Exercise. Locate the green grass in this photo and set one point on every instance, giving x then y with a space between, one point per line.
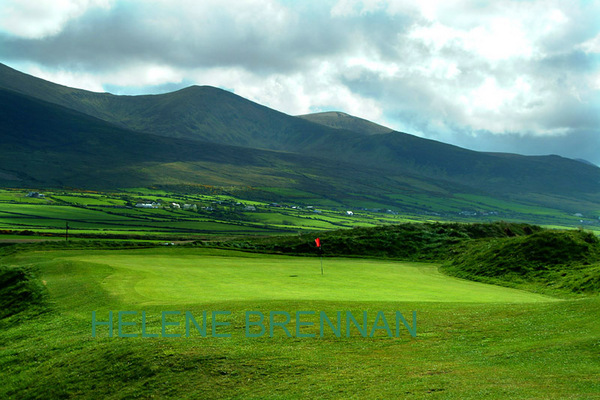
502 343
184 277
503 205
89 200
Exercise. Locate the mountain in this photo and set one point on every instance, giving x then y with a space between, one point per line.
585 162
198 112
340 120
44 144
340 151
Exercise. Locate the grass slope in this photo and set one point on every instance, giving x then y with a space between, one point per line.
340 120
545 261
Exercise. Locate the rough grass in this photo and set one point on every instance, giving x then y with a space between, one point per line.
19 291
567 261
409 241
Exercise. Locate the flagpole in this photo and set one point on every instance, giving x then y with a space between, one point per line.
318 243
321 260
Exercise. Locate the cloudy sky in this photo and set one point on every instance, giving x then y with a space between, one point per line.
518 76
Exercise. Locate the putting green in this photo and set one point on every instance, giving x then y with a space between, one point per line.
199 276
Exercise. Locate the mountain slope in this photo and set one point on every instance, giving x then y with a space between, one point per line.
212 115
340 120
198 112
44 144
499 173
504 172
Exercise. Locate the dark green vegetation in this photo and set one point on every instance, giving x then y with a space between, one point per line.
410 242
546 261
19 291
54 136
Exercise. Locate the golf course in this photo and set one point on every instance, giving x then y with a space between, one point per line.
473 340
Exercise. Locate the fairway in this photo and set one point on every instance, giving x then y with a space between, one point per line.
202 276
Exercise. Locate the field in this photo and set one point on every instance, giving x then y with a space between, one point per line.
205 211
472 340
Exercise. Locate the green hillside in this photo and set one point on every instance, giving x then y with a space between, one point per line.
214 115
58 136
200 113
61 147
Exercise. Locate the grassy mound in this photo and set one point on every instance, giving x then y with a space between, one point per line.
411 242
19 291
556 260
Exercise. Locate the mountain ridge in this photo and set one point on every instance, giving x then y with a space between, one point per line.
62 147
210 115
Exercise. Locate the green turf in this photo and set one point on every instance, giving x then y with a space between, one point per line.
210 275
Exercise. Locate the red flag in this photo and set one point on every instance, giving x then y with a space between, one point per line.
318 242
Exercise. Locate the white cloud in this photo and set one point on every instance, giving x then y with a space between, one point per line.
501 39
351 8
77 79
489 96
132 76
41 18
591 46
294 94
